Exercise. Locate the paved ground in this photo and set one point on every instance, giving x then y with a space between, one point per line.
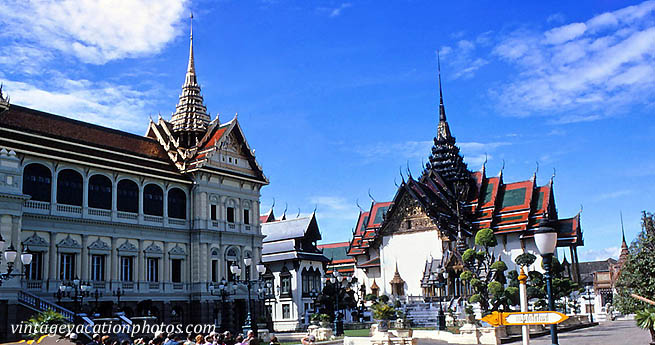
607 333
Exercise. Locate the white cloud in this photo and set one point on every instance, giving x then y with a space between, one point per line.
111 105
599 254
612 195
337 11
463 59
602 66
474 153
91 31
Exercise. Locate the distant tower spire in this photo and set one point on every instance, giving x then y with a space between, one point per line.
443 131
624 246
190 119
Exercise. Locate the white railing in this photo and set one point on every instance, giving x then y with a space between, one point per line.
153 286
69 209
127 215
176 221
127 286
178 286
99 212
37 205
99 285
34 284
154 219
215 223
247 227
231 226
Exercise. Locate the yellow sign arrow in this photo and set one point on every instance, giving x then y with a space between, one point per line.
524 318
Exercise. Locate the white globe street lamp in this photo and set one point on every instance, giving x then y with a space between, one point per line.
545 238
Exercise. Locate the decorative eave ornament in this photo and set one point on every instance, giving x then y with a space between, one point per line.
4 101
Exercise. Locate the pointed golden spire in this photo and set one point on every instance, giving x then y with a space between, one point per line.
192 67
190 119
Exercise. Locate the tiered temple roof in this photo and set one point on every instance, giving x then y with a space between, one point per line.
461 202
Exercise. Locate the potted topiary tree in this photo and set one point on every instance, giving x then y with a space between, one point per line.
382 313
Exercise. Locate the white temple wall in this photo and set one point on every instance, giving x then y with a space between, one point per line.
410 251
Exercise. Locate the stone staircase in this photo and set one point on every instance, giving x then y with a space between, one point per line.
39 304
421 314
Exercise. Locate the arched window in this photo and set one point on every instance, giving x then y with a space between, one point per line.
176 203
231 258
69 187
153 200
100 192
37 182
127 196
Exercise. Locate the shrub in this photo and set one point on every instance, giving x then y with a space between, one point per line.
499 266
495 288
384 298
371 297
486 238
469 255
525 259
383 311
475 298
466 275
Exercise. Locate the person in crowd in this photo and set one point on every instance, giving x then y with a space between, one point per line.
190 339
249 336
125 342
308 340
228 338
238 340
157 341
274 341
104 340
95 340
200 339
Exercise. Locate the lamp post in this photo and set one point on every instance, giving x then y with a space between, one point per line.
224 290
338 281
588 298
545 239
236 270
76 291
10 256
97 294
439 278
118 293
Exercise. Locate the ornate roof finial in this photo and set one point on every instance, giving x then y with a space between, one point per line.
443 130
622 230
190 119
4 100
370 196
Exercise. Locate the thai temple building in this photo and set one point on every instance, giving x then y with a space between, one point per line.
434 217
152 224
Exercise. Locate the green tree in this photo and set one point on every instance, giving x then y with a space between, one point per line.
638 273
487 275
47 317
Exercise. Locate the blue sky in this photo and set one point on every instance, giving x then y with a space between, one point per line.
336 96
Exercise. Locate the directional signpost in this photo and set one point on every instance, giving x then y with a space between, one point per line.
524 318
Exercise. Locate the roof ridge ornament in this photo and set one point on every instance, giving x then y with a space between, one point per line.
443 130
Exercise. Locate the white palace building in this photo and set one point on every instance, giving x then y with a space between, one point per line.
157 219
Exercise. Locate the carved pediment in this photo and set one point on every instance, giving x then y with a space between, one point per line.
35 241
127 246
153 249
69 242
99 245
177 250
408 216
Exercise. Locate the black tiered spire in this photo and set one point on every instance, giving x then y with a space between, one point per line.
445 158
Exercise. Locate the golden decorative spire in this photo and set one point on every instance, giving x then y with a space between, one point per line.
190 119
